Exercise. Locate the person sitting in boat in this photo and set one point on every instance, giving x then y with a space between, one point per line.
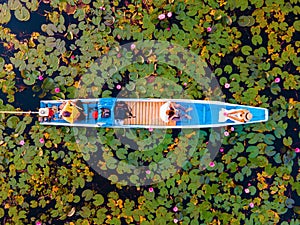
241 115
172 111
47 114
72 111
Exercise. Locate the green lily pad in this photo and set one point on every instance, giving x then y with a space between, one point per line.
14 4
29 81
246 50
87 194
48 84
5 13
296 25
22 14
246 21
20 127
13 121
99 200
297 209
287 141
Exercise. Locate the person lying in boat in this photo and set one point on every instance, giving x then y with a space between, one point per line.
72 111
240 115
172 111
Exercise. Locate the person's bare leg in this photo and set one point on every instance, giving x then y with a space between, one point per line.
178 106
182 108
187 116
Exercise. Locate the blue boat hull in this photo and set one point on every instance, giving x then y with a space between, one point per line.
204 114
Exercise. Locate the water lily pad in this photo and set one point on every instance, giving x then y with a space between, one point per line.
14 4
99 200
5 13
246 49
13 121
289 203
296 25
22 14
87 194
297 209
246 21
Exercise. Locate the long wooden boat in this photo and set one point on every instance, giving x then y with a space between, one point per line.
146 113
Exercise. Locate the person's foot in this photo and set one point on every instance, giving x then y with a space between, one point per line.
189 109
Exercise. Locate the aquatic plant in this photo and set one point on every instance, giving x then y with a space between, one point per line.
251 48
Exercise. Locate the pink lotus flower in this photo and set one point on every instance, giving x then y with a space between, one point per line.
211 164
184 84
22 142
151 189
249 184
251 204
150 129
119 55
175 209
169 14
132 46
72 57
227 85
297 150
40 77
168 28
161 16
247 190
148 171
221 149
118 86
42 140
226 133
57 90
175 220
277 80
38 223
209 29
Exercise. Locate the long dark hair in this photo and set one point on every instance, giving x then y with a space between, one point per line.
80 104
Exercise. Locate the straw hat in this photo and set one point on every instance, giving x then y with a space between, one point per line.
248 116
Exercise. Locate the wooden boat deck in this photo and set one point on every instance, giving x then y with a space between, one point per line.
146 113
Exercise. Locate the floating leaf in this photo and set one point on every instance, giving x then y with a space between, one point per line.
13 121
254 151
289 203
287 141
72 211
246 50
87 194
256 39
245 21
5 13
14 4
296 25
85 212
22 14
297 209
99 200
